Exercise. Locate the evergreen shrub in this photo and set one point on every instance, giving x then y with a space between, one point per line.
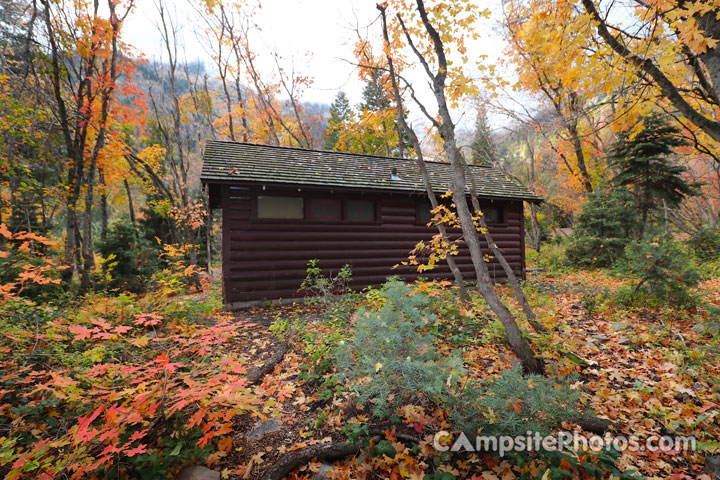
392 360
131 258
664 274
706 244
603 228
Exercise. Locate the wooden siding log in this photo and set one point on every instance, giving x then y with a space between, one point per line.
264 259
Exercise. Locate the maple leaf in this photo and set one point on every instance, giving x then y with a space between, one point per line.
142 448
81 333
82 430
121 329
138 435
225 444
5 232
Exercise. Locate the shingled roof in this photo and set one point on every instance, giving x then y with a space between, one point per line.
267 164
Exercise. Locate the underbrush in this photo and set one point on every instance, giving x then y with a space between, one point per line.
398 359
551 257
115 386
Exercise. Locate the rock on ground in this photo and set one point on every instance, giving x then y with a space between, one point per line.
196 472
712 466
262 429
324 472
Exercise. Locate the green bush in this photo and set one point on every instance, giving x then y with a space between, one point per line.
664 273
552 255
603 228
513 404
706 244
392 360
131 258
325 287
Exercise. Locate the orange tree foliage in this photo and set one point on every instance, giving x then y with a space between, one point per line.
21 265
662 62
108 387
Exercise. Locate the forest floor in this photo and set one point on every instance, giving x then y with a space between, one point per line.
654 372
125 386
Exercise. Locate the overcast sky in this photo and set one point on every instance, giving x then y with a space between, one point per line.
318 35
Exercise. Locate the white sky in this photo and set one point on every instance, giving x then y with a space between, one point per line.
318 35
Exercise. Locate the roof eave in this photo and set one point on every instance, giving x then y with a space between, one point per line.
322 186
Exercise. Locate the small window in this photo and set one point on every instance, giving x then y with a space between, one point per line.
325 209
360 211
492 214
422 213
280 207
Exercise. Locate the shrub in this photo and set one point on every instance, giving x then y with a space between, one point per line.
513 404
706 243
132 258
25 269
392 359
603 228
552 255
664 274
325 287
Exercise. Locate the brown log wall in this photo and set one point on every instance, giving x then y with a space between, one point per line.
264 259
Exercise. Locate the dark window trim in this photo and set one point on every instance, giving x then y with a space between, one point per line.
308 210
419 210
376 204
307 198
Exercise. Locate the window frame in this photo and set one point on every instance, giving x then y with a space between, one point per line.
309 217
500 211
256 209
483 207
308 197
374 204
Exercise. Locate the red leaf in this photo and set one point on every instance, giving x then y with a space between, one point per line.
142 448
81 333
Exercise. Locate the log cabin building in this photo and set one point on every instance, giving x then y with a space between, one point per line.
282 206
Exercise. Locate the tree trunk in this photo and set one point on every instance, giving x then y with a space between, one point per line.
88 255
579 155
103 208
71 234
446 128
457 274
131 210
535 227
517 288
534 224
522 349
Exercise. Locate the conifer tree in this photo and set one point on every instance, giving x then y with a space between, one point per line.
482 148
340 113
603 228
644 163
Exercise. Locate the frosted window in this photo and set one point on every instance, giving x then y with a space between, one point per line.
280 207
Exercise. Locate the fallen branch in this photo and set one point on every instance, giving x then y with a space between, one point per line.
596 425
400 436
292 460
258 373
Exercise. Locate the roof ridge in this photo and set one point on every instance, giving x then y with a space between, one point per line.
283 147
